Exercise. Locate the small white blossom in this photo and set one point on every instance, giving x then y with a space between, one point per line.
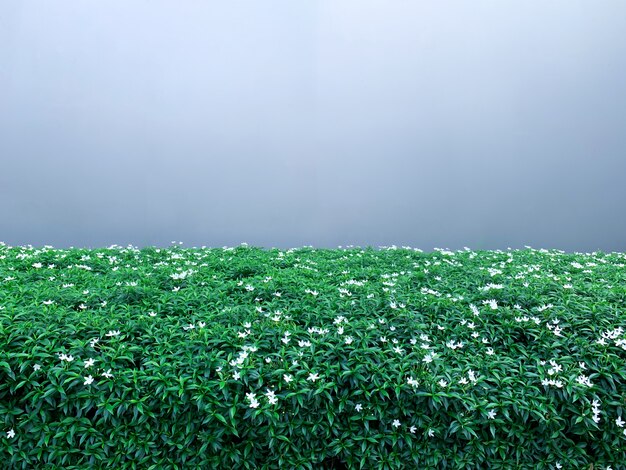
88 380
396 423
491 414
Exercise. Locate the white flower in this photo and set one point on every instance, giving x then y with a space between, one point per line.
36 367
312 377
89 362
152 314
287 378
271 397
107 374
201 324
236 375
48 302
431 433
412 429
491 414
490 352
558 465
348 340
88 380
463 381
254 404
10 433
619 422
442 383
396 423
358 407
412 382
113 333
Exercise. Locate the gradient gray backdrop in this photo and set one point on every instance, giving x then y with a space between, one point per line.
485 124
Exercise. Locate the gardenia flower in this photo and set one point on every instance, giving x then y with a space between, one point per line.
287 378
396 423
88 363
88 380
313 377
107 374
428 357
492 303
442 383
619 422
412 429
10 433
431 433
36 367
491 414
358 407
412 382
271 397
116 333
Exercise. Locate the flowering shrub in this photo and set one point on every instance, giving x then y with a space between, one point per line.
311 358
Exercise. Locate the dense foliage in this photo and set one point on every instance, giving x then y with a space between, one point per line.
311 358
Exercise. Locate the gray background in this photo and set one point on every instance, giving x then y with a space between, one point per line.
487 124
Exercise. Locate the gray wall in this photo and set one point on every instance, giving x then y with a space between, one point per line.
485 124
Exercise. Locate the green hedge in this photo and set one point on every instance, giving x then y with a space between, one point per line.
311 358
